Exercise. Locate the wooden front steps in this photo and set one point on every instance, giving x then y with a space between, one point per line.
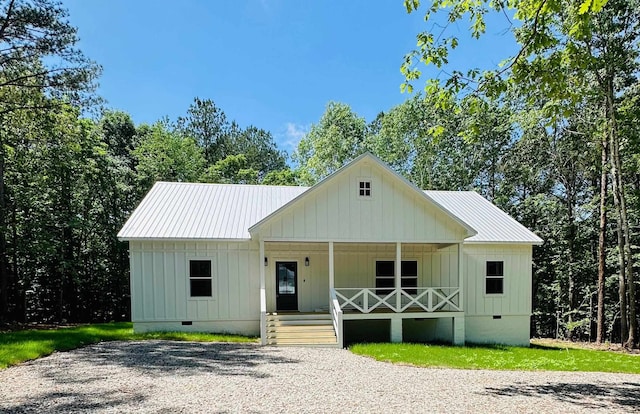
301 329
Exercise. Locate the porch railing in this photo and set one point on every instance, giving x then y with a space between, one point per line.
427 299
336 317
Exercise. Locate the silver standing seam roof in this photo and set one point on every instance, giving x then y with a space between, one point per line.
182 211
492 224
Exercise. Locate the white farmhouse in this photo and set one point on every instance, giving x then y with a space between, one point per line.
364 254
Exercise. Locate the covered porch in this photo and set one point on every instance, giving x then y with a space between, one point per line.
392 281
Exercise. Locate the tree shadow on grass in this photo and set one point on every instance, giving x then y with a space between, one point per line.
160 358
625 395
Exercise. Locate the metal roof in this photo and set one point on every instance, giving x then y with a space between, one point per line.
204 211
492 224
226 211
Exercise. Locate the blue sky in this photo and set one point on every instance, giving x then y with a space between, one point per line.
270 63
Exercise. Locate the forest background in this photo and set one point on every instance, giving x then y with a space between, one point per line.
552 137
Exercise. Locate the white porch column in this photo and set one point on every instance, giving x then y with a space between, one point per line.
461 276
263 297
398 281
262 274
331 270
458 330
396 330
396 323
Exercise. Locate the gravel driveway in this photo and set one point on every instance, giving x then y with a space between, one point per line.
164 376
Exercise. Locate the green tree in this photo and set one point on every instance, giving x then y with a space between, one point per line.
40 68
233 169
208 126
65 262
119 133
113 193
164 155
285 176
259 149
37 52
331 143
426 144
567 49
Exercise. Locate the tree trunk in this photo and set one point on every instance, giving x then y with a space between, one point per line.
621 205
20 312
602 254
633 322
622 288
571 290
624 259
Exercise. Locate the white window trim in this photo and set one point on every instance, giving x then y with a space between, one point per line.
375 287
504 285
366 180
188 279
406 259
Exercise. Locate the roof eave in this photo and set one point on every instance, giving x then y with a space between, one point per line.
183 239
528 242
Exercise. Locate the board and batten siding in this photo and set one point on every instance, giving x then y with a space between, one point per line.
313 280
160 286
516 299
355 264
355 267
335 211
491 318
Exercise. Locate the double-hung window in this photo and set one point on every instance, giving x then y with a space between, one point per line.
409 276
494 284
200 281
385 276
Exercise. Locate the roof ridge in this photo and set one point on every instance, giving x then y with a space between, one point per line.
230 184
453 191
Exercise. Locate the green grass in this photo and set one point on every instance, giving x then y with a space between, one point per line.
20 346
536 358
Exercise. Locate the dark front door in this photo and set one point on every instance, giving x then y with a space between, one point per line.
286 286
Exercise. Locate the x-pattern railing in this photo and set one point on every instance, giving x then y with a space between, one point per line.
430 299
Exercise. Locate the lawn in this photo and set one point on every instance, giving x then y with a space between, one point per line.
536 358
19 346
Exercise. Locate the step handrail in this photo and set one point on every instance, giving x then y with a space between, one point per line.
336 316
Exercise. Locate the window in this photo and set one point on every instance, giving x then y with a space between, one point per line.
365 189
409 276
200 278
495 278
385 276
